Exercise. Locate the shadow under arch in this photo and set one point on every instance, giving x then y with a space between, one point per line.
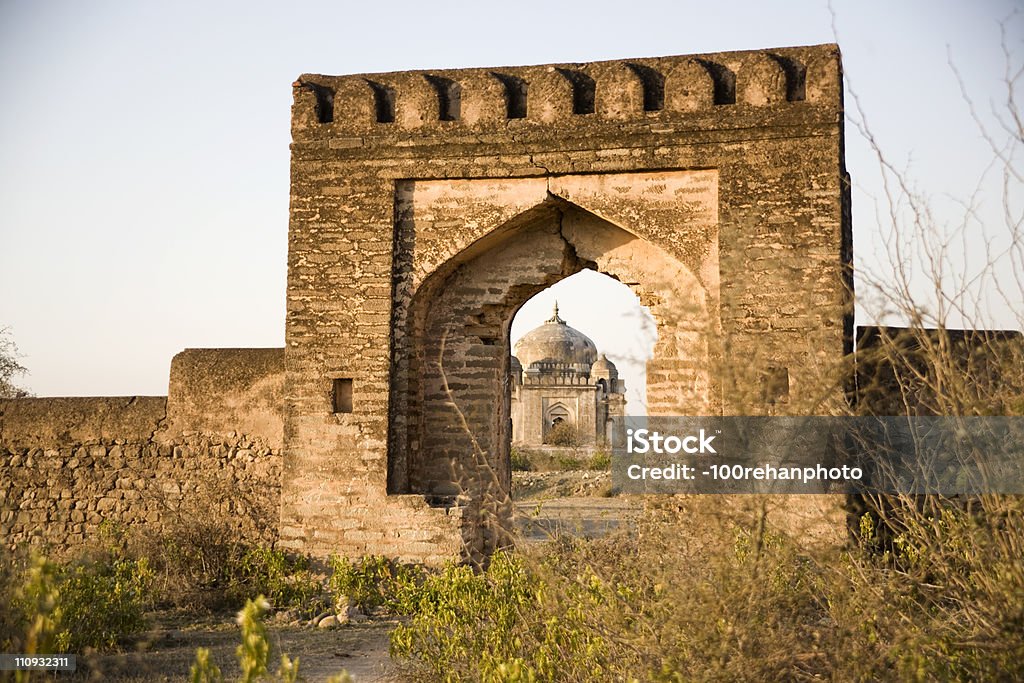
449 423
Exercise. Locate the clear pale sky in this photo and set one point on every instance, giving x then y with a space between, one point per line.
144 145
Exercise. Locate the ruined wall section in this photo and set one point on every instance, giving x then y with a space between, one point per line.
208 453
769 122
228 391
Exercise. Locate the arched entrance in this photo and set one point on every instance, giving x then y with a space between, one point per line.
450 423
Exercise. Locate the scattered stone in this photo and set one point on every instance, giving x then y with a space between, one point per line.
328 622
315 621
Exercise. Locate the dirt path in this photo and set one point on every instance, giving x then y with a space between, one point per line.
587 517
360 649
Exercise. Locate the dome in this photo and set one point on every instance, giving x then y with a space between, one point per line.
555 342
604 368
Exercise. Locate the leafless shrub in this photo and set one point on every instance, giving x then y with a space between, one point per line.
10 367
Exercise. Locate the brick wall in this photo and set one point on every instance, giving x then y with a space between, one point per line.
426 207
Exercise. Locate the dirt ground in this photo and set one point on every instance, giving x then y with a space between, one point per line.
546 503
578 503
573 503
167 652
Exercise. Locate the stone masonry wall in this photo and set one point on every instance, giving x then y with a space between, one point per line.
211 450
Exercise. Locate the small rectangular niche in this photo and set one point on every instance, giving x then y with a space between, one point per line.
775 385
341 394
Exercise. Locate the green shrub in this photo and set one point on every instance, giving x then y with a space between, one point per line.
89 603
285 579
203 669
101 601
463 622
502 625
600 460
569 461
102 596
254 650
373 581
32 623
520 460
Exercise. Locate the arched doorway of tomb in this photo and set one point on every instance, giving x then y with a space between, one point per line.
450 424
557 415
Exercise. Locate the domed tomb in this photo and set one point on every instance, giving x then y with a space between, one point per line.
558 380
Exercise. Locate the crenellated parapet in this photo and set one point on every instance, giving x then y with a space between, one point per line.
645 90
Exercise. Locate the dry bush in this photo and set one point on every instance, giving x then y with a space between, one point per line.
10 367
555 459
695 594
206 557
563 434
193 553
948 582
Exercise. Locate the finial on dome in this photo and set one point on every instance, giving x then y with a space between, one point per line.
554 317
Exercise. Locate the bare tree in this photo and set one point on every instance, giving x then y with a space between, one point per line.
10 367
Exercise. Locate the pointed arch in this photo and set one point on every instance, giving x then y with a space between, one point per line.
452 348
